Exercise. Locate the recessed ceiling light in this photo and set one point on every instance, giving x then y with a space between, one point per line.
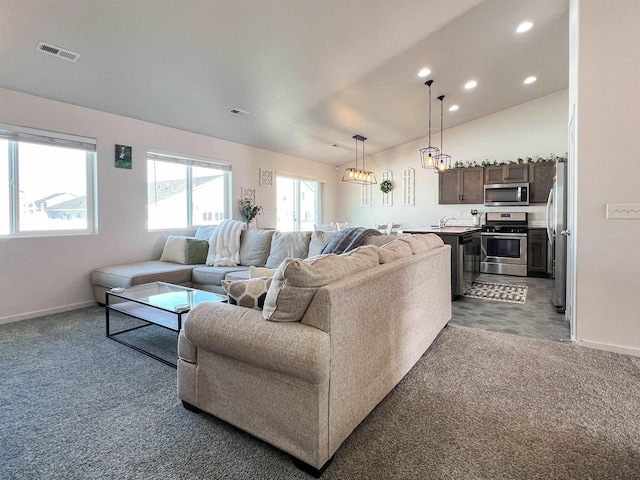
529 80
453 108
470 84
424 72
524 27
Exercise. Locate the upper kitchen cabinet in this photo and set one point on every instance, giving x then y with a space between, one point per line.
461 185
512 173
541 178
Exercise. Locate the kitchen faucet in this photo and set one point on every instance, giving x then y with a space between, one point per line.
443 222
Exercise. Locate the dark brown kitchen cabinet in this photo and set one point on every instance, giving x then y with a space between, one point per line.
537 252
541 178
461 185
512 173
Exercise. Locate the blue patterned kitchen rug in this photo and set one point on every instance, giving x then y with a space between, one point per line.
497 291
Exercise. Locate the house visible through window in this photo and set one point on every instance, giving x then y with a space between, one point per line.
46 182
185 192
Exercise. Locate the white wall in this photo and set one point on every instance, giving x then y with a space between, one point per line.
604 85
535 128
41 275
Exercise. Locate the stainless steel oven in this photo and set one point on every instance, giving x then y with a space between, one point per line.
504 244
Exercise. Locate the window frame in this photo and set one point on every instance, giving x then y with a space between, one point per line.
14 135
189 161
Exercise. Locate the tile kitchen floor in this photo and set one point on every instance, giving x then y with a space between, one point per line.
535 318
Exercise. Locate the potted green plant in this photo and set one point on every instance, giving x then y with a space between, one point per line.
386 186
249 209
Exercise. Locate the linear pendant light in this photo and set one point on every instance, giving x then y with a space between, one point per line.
359 175
428 154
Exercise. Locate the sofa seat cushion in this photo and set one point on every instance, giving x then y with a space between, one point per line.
142 272
288 245
214 275
296 281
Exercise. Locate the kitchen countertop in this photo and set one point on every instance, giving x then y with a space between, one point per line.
453 230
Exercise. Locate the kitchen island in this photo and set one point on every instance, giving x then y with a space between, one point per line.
465 253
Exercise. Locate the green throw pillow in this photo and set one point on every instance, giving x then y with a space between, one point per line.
196 251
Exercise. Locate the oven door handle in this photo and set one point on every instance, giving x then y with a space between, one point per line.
496 234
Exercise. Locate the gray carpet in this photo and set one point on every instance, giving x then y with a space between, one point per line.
478 405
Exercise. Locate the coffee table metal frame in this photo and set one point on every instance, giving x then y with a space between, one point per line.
156 304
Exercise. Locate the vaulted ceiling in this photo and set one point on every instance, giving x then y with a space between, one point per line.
311 73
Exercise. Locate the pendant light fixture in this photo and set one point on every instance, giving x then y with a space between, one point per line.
443 160
428 154
359 175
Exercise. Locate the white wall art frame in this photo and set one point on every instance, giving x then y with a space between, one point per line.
365 195
387 198
266 178
408 187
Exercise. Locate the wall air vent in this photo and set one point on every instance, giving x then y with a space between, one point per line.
238 113
58 52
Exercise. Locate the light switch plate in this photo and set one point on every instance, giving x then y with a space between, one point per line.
623 210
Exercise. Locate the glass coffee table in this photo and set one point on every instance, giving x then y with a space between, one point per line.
158 303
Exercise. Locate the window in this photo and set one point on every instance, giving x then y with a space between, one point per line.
46 182
298 204
185 192
387 198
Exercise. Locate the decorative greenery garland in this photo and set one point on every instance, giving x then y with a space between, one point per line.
386 186
520 161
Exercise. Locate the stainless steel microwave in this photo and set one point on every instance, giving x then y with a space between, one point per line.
506 194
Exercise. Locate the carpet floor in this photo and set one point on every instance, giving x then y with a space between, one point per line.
478 405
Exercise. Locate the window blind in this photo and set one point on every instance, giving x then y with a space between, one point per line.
42 137
191 161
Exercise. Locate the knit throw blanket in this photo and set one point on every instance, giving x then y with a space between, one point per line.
347 239
224 244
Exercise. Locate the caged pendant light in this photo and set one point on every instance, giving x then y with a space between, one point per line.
429 154
359 175
443 160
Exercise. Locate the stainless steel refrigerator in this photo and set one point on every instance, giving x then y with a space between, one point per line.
557 235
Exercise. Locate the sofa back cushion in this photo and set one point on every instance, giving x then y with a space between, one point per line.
422 242
288 245
296 281
318 242
394 250
255 246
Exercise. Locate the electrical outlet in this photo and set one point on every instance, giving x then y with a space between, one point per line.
459 213
623 210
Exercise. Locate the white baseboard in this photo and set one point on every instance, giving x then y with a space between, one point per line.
48 311
609 348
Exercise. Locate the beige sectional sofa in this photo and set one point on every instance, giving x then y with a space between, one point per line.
336 334
260 248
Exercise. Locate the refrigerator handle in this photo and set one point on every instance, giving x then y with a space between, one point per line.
549 226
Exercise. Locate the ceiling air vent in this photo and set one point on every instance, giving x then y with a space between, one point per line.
58 52
237 112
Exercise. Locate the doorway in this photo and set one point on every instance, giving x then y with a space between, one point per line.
298 204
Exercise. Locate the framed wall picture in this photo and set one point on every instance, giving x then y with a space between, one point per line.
123 156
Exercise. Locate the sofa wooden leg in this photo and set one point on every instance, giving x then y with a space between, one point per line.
191 408
313 471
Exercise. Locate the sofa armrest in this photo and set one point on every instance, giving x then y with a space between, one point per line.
241 333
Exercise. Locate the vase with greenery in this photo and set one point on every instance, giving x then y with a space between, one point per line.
386 186
249 209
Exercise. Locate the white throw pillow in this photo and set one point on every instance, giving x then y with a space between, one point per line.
174 249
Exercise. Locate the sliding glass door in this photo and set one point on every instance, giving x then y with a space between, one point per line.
298 204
